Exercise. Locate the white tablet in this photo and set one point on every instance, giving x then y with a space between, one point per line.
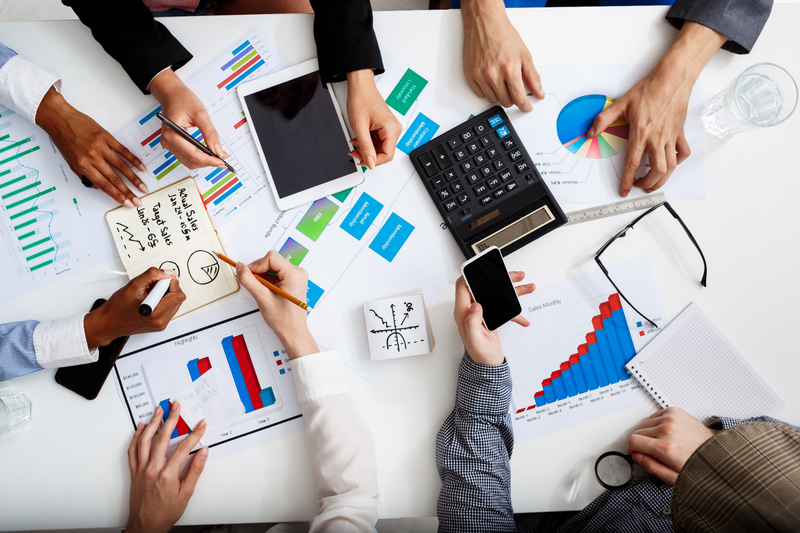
300 135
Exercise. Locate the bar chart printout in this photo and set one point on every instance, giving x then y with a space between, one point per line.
44 211
224 193
235 342
568 366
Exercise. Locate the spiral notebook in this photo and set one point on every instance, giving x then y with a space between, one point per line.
693 366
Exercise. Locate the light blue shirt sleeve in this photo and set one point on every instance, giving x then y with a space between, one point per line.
6 53
17 353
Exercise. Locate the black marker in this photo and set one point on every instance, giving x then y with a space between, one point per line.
158 292
197 144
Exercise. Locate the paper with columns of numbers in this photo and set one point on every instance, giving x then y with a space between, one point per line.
173 231
211 397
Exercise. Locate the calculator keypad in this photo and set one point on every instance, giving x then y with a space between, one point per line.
472 167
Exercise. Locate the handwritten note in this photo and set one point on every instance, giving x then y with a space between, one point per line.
211 397
173 231
398 326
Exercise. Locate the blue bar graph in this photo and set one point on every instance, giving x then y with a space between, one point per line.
167 163
246 73
155 141
240 48
194 371
211 175
238 56
164 404
598 363
236 371
228 193
150 115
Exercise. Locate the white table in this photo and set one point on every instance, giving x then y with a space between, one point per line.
69 469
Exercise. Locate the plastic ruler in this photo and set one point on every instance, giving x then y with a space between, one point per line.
616 208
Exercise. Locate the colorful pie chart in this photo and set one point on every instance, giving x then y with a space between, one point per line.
575 120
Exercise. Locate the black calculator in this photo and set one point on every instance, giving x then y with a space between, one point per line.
486 185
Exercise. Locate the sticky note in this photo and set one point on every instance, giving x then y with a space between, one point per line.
361 216
391 237
421 131
406 92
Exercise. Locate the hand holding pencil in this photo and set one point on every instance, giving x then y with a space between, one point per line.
277 298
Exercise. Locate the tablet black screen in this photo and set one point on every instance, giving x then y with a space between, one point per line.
299 134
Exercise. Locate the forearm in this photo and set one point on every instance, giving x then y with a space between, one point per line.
680 67
741 21
340 445
473 450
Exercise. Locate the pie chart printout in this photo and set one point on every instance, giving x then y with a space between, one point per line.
575 120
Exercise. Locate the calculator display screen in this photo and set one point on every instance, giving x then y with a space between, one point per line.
300 134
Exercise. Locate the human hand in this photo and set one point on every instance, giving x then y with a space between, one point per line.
119 316
665 441
89 149
655 108
483 346
287 320
158 496
497 64
184 108
376 128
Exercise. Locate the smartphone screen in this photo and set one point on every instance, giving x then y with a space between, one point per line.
491 287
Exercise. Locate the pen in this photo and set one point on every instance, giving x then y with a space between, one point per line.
267 284
156 293
197 144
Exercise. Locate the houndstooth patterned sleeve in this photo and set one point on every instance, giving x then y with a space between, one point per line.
473 450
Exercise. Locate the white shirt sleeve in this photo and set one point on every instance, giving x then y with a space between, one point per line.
341 446
62 343
23 84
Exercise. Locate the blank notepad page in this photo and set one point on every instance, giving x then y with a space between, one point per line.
691 365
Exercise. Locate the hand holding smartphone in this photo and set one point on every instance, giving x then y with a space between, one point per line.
491 286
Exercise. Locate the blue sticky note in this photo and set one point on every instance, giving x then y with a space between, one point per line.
313 294
391 237
495 121
421 131
361 216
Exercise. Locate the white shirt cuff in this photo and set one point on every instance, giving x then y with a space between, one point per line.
62 343
154 77
319 375
23 84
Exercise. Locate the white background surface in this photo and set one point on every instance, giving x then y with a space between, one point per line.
68 469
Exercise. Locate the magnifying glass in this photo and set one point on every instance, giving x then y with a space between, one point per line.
614 470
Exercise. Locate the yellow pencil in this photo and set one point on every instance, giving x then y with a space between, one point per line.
267 284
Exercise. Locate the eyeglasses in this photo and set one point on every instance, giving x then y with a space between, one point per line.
625 231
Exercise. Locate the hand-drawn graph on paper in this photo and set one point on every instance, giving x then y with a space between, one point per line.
396 331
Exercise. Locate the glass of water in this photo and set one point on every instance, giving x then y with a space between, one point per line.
764 95
16 410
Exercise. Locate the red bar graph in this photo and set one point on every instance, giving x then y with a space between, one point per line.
181 427
153 136
233 76
240 123
248 371
203 365
221 191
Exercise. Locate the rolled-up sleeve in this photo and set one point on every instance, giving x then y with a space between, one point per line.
23 83
741 21
62 342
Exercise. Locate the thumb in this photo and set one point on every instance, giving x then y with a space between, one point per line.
210 135
655 467
473 322
365 146
195 469
605 119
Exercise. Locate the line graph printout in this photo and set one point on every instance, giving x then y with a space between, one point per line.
224 193
579 170
48 224
568 365
382 237
234 340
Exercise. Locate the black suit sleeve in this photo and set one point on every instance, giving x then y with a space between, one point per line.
741 21
345 38
128 32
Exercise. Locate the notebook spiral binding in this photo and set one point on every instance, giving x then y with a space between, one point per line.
643 382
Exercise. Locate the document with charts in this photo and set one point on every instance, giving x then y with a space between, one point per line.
378 238
49 222
233 344
568 366
172 231
579 170
224 193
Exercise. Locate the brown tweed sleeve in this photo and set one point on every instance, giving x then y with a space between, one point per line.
746 478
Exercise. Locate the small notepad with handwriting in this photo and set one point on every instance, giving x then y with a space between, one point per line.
693 366
173 231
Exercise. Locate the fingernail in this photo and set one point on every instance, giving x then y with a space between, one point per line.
175 405
140 426
137 202
127 203
625 193
637 458
141 167
203 452
239 268
170 272
218 149
226 155
474 307
202 423
370 162
352 154
158 411
590 133
144 188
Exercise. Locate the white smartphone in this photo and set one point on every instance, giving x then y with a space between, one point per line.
300 135
490 284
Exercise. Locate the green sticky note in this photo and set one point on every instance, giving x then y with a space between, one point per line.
342 195
406 91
